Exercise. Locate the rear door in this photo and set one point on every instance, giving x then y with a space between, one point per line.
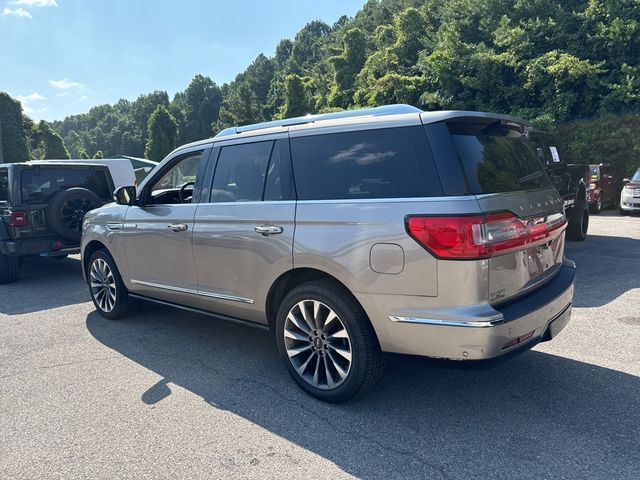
504 173
243 236
158 232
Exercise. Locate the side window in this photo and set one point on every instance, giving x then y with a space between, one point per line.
4 186
240 172
166 190
384 163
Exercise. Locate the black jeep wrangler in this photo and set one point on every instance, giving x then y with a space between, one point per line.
568 179
42 206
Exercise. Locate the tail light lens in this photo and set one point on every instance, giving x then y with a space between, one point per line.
18 219
481 236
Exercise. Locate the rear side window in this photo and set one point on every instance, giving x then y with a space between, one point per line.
240 172
497 158
4 186
40 184
384 163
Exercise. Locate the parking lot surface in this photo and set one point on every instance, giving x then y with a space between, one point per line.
169 394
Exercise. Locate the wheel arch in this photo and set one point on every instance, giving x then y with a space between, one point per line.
291 279
91 247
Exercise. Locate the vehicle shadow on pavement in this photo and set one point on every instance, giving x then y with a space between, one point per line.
537 416
607 268
60 279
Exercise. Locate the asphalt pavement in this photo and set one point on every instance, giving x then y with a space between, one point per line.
169 394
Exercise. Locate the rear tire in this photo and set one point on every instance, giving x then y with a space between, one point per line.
9 268
107 290
67 209
332 358
578 223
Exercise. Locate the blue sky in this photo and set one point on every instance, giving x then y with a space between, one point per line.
61 57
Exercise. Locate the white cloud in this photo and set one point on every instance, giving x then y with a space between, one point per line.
62 94
83 98
37 3
28 100
16 12
65 84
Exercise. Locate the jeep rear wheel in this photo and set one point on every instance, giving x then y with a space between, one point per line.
9 268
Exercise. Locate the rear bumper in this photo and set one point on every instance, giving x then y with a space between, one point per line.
482 332
36 247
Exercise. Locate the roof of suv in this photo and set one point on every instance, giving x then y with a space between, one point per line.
376 114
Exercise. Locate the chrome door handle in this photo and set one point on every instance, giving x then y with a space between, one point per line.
177 227
268 229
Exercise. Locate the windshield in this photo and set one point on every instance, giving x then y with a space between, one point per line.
40 184
4 186
497 158
595 173
636 176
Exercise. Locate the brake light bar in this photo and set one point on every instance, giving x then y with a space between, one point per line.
18 219
481 236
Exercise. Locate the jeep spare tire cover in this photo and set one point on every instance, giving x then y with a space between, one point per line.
66 211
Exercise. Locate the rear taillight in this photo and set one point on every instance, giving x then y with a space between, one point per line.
18 219
481 236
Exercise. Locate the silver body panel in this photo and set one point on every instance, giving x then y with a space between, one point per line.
417 304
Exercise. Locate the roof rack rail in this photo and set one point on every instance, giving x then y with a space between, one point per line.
396 109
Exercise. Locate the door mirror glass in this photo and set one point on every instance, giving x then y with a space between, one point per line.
125 196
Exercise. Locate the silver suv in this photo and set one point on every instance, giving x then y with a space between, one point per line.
352 236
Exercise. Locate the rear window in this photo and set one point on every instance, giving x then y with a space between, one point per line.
40 184
497 158
4 186
385 163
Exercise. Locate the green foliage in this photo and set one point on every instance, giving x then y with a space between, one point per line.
99 154
48 143
162 134
297 101
14 136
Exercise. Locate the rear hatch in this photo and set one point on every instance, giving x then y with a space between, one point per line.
524 217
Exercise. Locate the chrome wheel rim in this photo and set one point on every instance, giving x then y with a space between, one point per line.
318 344
103 285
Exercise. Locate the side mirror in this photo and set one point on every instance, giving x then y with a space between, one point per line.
125 196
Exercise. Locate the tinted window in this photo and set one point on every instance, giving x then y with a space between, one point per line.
240 172
383 163
40 184
497 158
4 186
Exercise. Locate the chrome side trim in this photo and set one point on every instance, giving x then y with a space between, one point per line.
194 292
113 226
447 323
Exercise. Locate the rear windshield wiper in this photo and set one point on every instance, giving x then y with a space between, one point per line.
531 176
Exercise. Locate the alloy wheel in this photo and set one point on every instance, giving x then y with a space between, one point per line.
318 344
103 285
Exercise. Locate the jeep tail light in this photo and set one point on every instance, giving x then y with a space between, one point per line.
18 219
481 236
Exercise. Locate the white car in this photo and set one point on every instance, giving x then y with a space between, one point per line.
630 195
121 169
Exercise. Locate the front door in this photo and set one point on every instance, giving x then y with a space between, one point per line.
159 232
243 237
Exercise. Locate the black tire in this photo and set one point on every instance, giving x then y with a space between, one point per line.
578 222
623 213
366 363
9 268
123 305
596 208
67 209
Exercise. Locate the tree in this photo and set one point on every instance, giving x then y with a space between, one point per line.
83 154
200 105
14 136
162 134
48 143
99 154
346 67
297 98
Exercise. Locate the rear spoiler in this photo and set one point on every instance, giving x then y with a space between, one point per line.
483 117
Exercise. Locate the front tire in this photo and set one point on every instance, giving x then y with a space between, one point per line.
9 268
108 292
578 223
327 342
596 208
